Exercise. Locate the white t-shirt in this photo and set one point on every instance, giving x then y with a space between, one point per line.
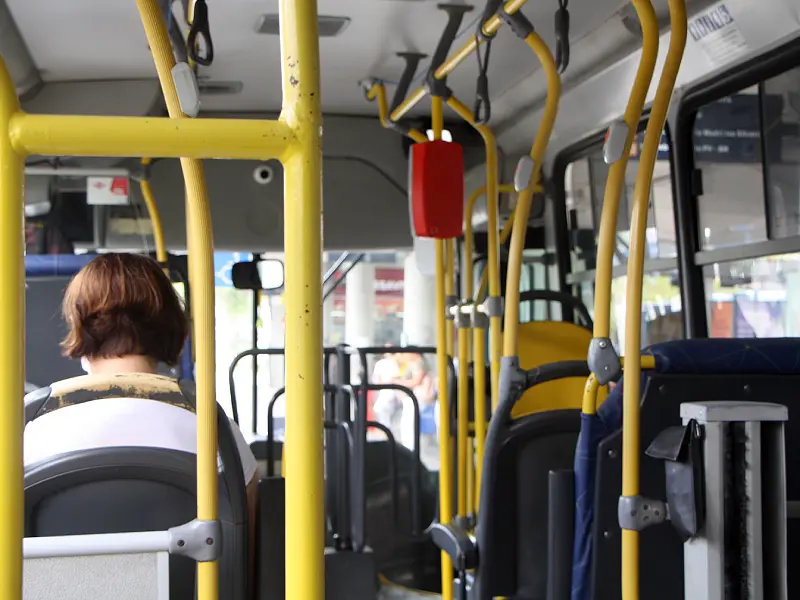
120 422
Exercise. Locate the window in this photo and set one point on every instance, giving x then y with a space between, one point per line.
756 298
585 184
662 319
747 148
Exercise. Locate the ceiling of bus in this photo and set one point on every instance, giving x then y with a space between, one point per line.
91 40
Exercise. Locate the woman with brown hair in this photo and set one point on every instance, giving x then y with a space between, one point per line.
123 316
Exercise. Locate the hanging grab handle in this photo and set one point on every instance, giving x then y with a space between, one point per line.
455 14
562 36
483 106
200 29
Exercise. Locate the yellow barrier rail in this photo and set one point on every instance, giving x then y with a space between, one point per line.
295 139
633 323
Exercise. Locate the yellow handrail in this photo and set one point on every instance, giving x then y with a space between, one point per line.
201 278
12 347
295 139
520 227
633 320
616 179
378 92
154 214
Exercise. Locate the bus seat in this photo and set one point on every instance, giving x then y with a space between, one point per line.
98 491
510 551
545 342
686 370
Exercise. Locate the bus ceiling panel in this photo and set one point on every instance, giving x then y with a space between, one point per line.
21 67
91 40
133 97
722 35
365 200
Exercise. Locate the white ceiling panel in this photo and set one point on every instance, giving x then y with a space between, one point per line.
93 39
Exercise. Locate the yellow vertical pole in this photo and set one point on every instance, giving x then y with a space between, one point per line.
201 278
450 291
12 347
633 318
463 413
443 326
479 385
305 543
445 467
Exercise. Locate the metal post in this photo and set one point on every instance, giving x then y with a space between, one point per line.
740 545
12 347
302 111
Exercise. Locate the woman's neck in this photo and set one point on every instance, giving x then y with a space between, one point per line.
122 364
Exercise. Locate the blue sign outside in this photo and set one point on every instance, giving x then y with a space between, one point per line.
223 263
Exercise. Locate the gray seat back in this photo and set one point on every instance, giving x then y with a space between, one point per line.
117 490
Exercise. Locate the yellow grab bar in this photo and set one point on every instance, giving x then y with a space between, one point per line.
607 237
633 317
295 139
378 92
154 214
12 347
201 279
520 228
616 173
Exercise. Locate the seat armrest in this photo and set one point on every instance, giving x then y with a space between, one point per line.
457 544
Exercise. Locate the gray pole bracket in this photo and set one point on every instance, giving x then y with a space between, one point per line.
637 513
199 540
450 303
603 361
494 306
480 320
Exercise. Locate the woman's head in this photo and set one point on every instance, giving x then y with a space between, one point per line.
123 305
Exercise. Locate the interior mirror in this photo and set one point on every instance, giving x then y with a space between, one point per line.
264 275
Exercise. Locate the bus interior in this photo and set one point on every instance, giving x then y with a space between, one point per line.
501 296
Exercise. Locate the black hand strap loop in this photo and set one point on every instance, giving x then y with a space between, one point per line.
200 30
562 35
483 105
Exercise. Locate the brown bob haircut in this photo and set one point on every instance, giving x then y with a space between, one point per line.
122 305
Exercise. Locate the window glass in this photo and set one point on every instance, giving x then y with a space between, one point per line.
585 190
755 298
781 118
662 319
727 150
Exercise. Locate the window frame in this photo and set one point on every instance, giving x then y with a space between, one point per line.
687 186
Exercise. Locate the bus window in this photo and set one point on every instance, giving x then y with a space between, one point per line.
754 298
585 183
727 148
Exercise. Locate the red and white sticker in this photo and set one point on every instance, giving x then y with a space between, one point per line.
102 191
